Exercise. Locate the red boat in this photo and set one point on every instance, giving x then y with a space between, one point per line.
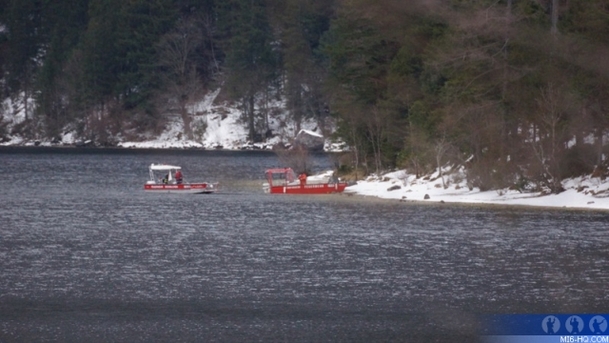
172 181
283 181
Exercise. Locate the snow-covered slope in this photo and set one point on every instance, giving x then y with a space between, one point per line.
221 122
582 192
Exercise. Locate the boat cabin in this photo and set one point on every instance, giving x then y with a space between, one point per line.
163 174
280 176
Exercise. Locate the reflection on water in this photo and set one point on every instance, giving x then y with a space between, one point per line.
86 255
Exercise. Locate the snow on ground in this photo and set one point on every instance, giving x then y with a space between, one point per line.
13 113
170 138
224 129
581 192
216 126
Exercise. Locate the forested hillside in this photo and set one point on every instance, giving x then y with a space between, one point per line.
516 90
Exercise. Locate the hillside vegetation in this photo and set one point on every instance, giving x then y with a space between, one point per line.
515 90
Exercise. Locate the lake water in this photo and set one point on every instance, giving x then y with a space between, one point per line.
87 256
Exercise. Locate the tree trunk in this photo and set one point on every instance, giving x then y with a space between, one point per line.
441 148
554 29
508 24
599 142
250 117
186 120
376 134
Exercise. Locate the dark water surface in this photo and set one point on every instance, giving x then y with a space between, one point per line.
87 256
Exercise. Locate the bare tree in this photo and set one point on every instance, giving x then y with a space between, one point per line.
547 145
352 126
420 151
297 158
554 29
376 122
183 85
441 146
208 25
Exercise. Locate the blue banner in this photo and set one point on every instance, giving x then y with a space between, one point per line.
545 324
546 339
558 328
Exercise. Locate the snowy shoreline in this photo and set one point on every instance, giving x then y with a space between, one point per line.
584 192
475 205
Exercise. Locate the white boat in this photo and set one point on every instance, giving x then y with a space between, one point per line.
163 180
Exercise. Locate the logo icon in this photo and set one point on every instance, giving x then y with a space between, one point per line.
598 325
550 324
574 325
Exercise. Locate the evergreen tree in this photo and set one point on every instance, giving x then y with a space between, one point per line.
300 24
65 22
251 59
359 60
141 27
25 46
100 50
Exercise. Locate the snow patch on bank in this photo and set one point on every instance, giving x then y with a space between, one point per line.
224 128
581 192
216 126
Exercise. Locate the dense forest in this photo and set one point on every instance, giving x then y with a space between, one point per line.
515 90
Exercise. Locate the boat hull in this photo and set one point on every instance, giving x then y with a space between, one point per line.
186 188
324 188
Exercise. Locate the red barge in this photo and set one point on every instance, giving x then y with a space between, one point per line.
284 181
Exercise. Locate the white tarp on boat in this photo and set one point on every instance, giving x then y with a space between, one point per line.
163 167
